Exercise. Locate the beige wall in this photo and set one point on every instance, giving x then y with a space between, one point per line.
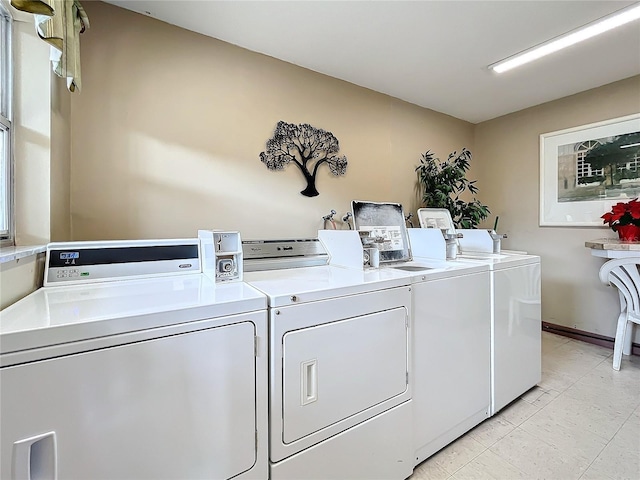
167 132
42 159
42 141
507 166
32 135
60 193
19 278
165 138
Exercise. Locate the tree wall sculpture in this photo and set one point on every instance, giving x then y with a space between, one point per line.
306 147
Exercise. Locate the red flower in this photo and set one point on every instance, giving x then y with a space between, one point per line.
623 214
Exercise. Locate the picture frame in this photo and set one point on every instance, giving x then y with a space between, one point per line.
575 193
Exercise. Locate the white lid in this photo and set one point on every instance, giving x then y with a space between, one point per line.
385 220
436 218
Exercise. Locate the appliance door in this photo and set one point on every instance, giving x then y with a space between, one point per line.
452 359
336 370
517 333
336 363
180 406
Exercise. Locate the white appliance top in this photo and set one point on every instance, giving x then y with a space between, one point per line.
308 284
425 269
497 261
56 315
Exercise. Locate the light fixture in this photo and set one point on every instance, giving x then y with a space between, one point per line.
589 30
630 145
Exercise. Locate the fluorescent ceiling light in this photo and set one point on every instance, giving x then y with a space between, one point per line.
592 29
630 145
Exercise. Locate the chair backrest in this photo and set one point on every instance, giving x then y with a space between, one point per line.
623 274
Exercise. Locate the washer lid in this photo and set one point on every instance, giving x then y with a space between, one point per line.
497 261
439 218
56 315
426 269
382 225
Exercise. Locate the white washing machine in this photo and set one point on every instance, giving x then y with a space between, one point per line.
340 350
516 321
516 328
452 351
132 364
452 327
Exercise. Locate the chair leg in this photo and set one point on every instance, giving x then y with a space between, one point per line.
628 339
619 341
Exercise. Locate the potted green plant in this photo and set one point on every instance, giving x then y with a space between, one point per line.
443 182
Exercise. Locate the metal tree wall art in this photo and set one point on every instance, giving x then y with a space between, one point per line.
308 148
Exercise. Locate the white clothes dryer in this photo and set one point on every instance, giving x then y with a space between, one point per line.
115 376
340 350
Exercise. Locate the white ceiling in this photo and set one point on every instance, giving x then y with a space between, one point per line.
430 53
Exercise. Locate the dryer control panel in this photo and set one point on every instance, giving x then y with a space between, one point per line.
72 263
285 253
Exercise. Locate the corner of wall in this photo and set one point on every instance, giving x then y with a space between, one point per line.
60 178
18 278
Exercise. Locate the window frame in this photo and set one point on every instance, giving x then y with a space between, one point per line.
7 235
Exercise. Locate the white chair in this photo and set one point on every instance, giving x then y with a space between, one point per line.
623 274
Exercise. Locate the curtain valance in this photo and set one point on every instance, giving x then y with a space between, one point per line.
60 23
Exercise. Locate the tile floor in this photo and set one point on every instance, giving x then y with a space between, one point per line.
581 422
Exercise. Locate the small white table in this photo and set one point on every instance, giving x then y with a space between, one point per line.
613 248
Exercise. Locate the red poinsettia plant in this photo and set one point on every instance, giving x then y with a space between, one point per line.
622 214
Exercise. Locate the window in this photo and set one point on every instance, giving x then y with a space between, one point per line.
583 169
6 203
633 165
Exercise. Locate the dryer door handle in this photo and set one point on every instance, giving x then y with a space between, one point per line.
309 381
35 458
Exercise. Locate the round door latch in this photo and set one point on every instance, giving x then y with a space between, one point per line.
294 298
